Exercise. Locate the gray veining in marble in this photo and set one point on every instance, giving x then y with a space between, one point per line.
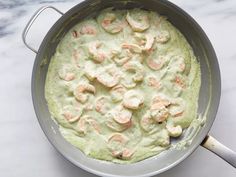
25 151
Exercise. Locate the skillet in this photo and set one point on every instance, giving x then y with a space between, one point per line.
208 99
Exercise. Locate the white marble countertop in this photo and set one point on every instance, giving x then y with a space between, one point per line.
24 149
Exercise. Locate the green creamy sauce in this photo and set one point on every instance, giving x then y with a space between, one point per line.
140 52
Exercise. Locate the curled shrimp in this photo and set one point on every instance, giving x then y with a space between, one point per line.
159 112
118 119
159 108
138 20
80 90
157 63
102 105
88 29
152 81
121 57
86 123
108 76
111 23
95 53
149 42
81 126
133 99
127 153
177 64
137 68
118 137
174 131
132 47
113 125
90 70
146 122
161 98
146 40
177 107
163 36
78 55
137 71
117 143
180 81
94 124
121 115
117 93
67 72
72 113
88 107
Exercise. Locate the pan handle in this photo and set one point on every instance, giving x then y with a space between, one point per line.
31 21
219 149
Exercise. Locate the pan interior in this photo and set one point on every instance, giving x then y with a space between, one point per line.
209 91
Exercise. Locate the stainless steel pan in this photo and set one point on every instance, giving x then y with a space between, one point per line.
209 93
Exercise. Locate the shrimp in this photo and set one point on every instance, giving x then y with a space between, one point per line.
67 72
81 126
180 81
88 30
146 122
159 108
149 42
174 131
146 41
111 24
123 154
118 119
78 55
121 57
118 137
90 70
116 144
156 64
137 68
133 99
94 52
138 75
153 82
80 90
117 93
177 107
127 153
132 47
138 20
177 64
128 83
108 76
113 125
161 98
88 107
102 105
94 124
163 36
122 115
87 123
159 112
72 113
